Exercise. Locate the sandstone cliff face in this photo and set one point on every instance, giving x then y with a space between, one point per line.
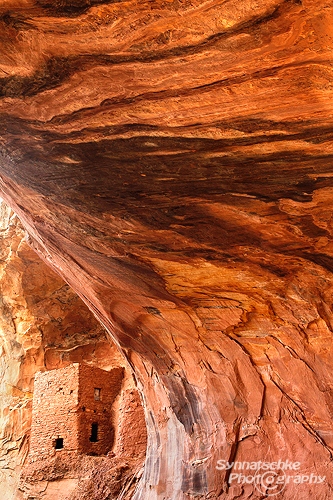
172 161
44 325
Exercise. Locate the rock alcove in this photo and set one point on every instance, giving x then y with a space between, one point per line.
172 161
45 330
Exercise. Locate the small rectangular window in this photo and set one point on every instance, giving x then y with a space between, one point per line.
97 394
59 444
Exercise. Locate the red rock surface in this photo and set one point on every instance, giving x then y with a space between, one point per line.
44 325
172 160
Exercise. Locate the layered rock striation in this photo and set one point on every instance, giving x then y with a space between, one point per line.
172 161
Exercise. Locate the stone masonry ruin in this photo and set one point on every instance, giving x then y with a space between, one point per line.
72 411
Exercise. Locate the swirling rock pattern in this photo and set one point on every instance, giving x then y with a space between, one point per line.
172 160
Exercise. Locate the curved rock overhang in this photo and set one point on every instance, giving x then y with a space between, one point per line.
172 160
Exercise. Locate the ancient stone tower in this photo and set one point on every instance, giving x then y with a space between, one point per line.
72 411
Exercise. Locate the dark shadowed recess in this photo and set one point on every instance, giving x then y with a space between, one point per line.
184 401
55 71
15 21
70 8
146 171
154 179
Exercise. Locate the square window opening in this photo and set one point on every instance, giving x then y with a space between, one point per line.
59 444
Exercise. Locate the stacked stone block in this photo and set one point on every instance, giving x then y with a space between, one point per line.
72 411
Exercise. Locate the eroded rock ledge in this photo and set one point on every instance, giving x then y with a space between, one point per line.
172 161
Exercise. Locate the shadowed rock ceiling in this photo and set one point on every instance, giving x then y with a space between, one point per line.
172 161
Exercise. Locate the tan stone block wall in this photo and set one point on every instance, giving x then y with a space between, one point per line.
54 412
65 406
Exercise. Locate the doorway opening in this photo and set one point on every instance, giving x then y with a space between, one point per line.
94 433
